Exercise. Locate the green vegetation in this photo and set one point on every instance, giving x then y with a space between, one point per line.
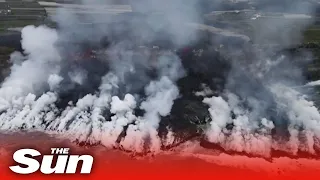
17 13
6 50
4 61
312 34
17 23
312 43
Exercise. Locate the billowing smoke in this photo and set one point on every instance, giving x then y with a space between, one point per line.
113 79
261 110
92 100
31 96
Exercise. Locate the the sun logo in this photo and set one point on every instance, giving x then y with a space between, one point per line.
65 163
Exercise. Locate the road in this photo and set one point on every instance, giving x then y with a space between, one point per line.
51 8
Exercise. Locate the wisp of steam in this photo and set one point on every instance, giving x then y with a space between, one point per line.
119 97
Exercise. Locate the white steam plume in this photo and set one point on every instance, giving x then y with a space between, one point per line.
260 99
38 80
32 96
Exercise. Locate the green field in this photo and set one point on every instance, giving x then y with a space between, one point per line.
16 13
312 34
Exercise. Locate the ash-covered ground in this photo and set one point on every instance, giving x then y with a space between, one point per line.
147 83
